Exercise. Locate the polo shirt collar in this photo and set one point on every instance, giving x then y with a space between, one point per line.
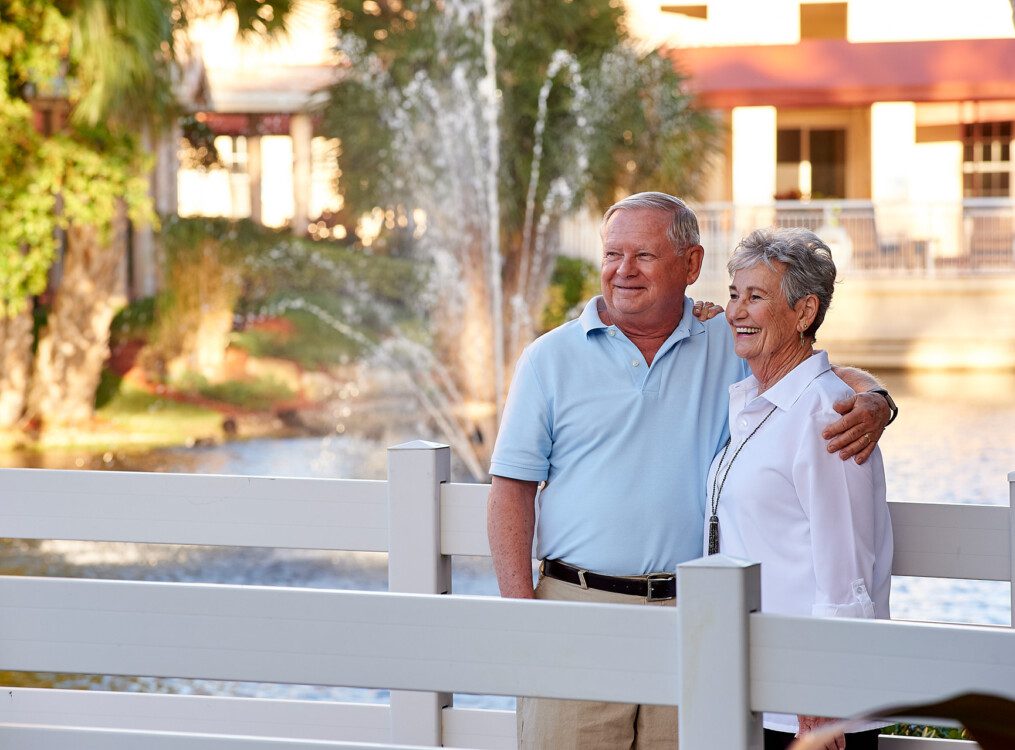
786 392
589 319
688 326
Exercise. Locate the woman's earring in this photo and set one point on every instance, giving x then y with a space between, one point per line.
802 339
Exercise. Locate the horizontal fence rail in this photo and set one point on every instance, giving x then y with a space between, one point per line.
365 639
256 717
810 665
123 506
869 663
25 737
421 646
952 541
931 539
197 714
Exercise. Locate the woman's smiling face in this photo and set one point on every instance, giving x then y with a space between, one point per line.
764 325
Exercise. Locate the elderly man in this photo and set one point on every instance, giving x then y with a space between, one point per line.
620 413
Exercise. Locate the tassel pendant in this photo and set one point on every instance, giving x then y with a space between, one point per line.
713 535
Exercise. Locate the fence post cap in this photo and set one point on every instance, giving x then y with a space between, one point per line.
415 445
717 561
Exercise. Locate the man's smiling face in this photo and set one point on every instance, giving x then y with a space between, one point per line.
643 276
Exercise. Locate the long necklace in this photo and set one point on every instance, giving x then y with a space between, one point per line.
713 521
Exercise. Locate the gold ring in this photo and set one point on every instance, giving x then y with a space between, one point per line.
868 436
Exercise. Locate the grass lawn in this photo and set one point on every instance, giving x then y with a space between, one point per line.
132 417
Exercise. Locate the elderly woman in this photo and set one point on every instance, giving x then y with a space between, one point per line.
818 525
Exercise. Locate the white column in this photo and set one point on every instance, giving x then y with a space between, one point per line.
301 130
754 141
716 596
893 138
416 566
254 176
167 167
141 280
935 192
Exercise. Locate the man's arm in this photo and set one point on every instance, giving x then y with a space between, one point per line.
510 525
864 419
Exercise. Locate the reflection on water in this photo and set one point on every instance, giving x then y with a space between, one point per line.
952 443
955 439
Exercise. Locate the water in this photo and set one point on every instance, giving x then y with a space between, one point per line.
953 443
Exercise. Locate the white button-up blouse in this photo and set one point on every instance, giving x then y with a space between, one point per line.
818 525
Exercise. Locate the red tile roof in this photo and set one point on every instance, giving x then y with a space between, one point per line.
822 72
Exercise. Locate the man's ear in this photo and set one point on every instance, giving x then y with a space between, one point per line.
694 254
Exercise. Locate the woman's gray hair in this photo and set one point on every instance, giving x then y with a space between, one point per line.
683 230
809 268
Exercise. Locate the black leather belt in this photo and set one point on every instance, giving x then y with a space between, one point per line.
655 587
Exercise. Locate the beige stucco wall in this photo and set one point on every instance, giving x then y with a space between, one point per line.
735 22
935 323
912 20
910 323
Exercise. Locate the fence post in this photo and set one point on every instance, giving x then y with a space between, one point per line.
416 566
716 596
1011 546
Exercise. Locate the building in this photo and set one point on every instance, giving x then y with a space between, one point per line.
892 120
261 96
887 127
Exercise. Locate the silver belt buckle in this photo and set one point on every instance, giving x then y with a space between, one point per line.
581 578
650 580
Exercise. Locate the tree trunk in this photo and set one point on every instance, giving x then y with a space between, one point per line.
194 332
75 344
15 366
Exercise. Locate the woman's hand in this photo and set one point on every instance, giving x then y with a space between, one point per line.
704 310
811 723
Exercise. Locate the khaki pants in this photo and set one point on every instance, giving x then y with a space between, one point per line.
549 724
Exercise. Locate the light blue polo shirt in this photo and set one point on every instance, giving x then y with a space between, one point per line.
624 448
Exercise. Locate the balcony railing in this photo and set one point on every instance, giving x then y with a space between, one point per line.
974 236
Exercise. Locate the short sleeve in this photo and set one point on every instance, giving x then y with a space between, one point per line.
524 440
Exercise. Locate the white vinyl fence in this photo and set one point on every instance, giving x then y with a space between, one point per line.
714 655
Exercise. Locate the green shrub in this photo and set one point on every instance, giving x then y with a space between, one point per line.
573 283
918 730
133 322
311 343
218 269
256 394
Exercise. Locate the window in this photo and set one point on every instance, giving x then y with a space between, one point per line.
810 163
986 159
232 151
823 20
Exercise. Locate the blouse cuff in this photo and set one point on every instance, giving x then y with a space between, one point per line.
860 607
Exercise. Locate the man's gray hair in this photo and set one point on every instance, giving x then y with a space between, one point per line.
809 268
683 230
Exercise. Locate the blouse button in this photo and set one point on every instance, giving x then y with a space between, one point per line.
635 363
